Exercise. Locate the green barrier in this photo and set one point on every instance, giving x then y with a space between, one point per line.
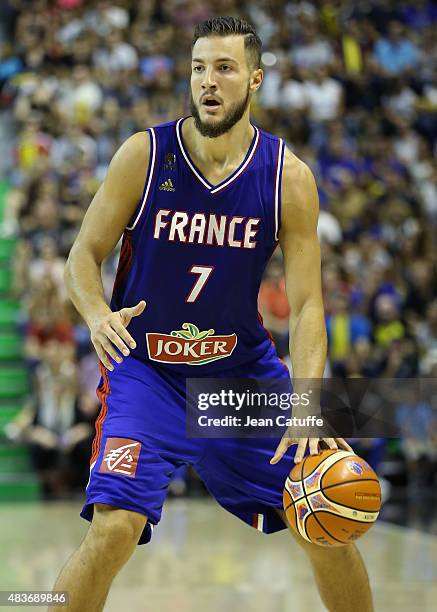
14 459
5 280
14 382
7 249
8 412
11 347
9 310
19 487
4 188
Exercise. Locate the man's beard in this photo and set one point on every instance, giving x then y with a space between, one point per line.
213 130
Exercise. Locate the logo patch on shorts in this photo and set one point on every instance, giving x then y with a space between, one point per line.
121 456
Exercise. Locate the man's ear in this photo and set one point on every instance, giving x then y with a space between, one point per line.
256 80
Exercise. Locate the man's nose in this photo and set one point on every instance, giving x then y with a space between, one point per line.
208 81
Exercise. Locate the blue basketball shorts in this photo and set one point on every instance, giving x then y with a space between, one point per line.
141 441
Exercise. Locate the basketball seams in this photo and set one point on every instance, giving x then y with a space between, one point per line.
331 460
329 487
338 454
311 511
345 518
324 473
348 482
336 503
321 490
301 525
344 511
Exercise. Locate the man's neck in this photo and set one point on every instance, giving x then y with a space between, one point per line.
222 150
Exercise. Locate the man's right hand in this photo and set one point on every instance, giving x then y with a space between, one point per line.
109 333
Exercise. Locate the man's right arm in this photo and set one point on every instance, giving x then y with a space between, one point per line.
104 223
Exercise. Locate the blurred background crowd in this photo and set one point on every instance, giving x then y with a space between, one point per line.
351 87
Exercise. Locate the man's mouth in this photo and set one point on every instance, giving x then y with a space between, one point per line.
210 103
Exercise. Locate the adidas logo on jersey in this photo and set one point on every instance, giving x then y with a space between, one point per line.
167 186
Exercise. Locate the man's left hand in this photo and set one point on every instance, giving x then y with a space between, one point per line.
313 443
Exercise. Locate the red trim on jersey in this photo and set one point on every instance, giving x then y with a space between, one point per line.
255 520
261 320
125 261
102 393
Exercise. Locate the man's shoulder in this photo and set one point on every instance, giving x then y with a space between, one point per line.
298 189
142 136
292 164
135 149
296 173
268 135
167 124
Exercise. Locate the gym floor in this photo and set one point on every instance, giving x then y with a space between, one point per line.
202 558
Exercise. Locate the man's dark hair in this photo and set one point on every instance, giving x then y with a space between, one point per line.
227 26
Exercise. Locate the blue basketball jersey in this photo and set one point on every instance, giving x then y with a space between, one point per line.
196 253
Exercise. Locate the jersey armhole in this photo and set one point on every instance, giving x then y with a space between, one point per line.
150 171
278 181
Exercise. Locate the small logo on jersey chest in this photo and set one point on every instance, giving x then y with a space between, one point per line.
170 161
167 186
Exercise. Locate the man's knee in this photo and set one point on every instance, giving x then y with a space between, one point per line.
317 552
328 554
115 528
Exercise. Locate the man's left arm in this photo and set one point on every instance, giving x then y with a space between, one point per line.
301 250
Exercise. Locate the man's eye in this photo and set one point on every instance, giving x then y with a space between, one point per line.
225 67
197 68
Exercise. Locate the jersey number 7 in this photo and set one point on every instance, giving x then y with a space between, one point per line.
204 273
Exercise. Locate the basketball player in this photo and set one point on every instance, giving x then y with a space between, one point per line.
201 203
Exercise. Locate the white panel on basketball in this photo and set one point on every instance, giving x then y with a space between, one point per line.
291 487
327 505
301 504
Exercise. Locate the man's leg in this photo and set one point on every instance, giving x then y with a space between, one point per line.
108 544
340 574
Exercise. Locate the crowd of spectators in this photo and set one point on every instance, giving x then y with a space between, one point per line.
351 87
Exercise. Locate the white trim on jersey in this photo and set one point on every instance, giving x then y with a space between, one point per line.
260 522
243 167
89 478
149 178
278 186
187 159
204 182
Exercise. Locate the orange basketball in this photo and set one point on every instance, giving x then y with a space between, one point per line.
332 498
